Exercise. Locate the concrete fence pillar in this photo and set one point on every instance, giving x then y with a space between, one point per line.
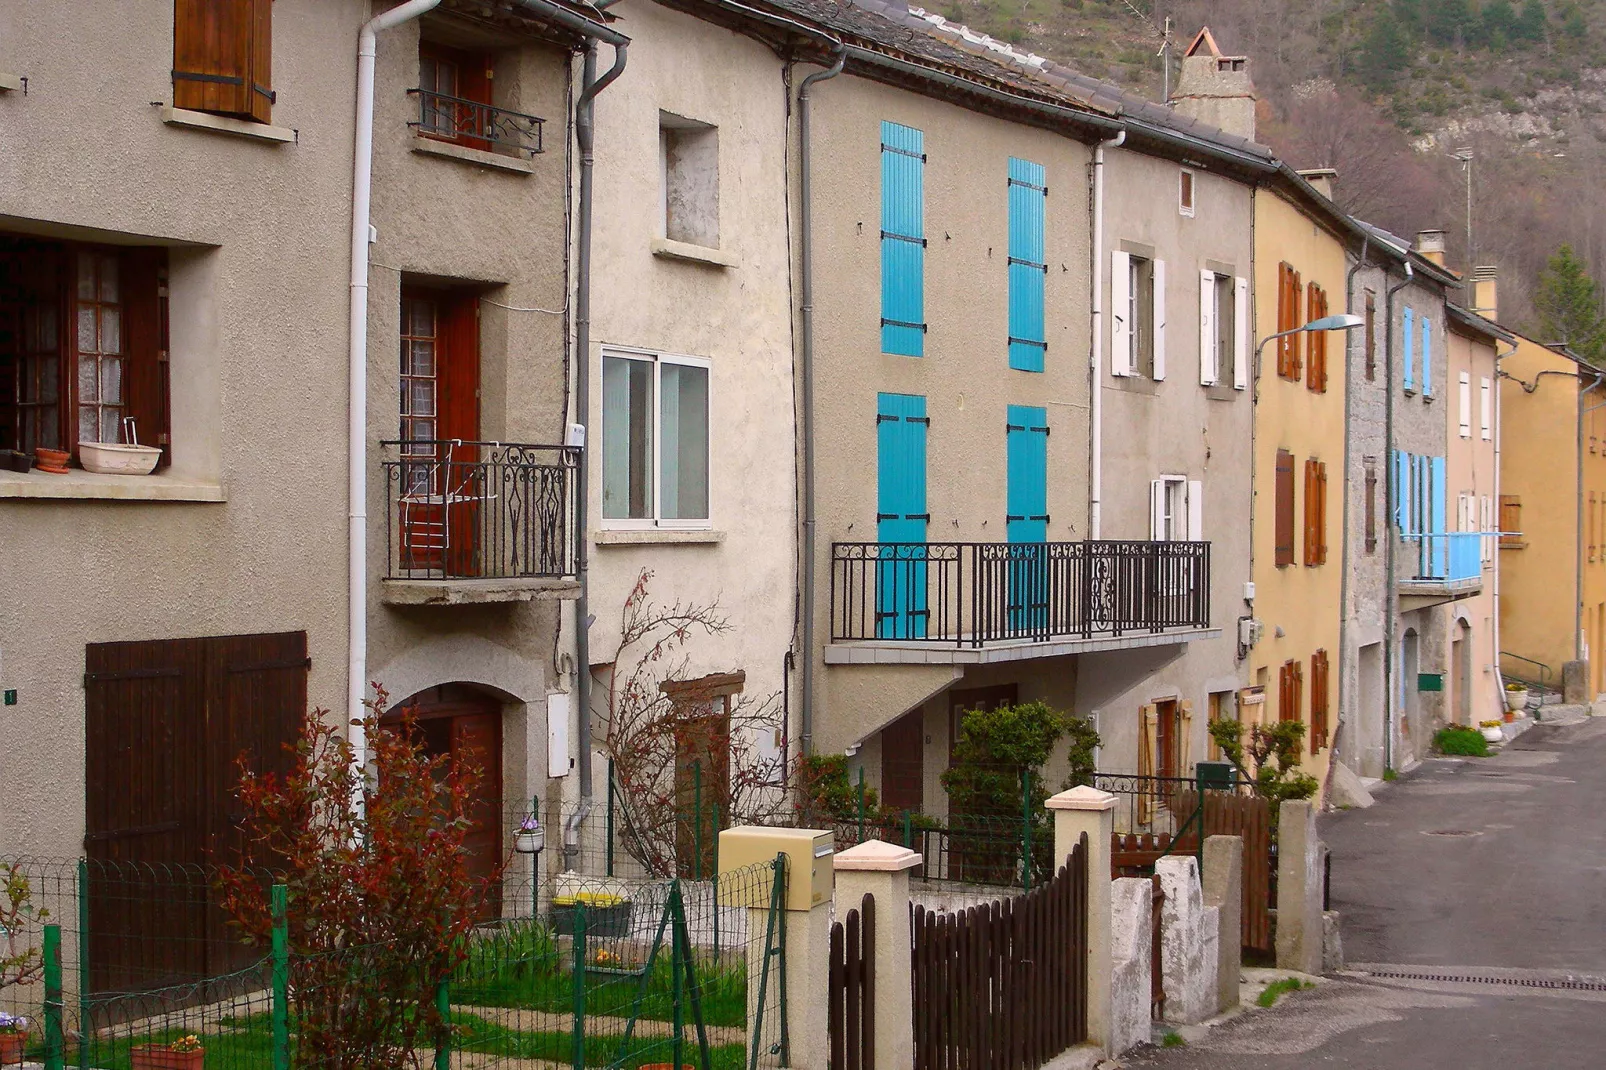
882 871
1132 972
1224 890
1189 935
1078 812
1299 888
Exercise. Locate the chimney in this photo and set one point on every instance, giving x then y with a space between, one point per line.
1430 245
1216 89
1484 297
1322 178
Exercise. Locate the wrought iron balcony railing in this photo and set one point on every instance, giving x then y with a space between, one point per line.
973 594
472 123
479 510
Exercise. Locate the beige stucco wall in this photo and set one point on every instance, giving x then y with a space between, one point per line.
1175 427
1539 466
258 341
1471 465
737 317
964 375
1299 605
1592 616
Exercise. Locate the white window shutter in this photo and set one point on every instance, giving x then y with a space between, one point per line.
1157 509
1209 358
1159 319
1486 407
1466 404
1120 310
1195 510
1240 333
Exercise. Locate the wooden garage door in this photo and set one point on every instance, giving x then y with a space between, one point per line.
166 724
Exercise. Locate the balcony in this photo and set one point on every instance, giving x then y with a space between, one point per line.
477 125
1438 567
970 603
473 522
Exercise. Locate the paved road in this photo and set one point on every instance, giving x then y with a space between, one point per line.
1491 869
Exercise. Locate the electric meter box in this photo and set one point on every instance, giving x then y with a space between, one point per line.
810 873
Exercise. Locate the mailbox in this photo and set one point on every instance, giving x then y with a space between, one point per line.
810 873
1220 776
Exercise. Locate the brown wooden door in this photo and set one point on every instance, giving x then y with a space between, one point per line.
166 724
1167 739
702 784
902 764
440 414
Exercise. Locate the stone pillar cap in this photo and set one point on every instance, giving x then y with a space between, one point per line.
1082 798
877 856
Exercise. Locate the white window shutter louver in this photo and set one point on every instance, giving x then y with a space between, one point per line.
1240 323
1195 510
1209 358
1157 509
1120 311
1159 319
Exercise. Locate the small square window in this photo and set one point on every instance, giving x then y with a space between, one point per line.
689 165
655 440
1185 192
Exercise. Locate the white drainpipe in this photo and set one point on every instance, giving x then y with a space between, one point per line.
357 446
1095 486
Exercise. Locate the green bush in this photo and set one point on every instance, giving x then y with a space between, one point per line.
1458 740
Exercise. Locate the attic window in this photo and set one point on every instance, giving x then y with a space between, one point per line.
1185 192
1230 64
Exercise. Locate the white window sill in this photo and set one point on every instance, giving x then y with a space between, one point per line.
657 537
90 486
429 146
222 124
696 254
10 83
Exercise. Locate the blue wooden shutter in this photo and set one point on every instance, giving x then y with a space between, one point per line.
1440 541
1427 357
1026 516
1401 489
903 241
1409 336
901 515
1028 267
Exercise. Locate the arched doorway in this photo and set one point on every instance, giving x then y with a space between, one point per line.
1410 672
1461 665
465 722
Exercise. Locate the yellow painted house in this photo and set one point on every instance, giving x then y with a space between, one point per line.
1298 521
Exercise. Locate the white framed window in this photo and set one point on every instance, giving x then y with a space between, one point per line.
1223 321
655 455
1176 509
1486 408
1465 387
1137 321
1185 184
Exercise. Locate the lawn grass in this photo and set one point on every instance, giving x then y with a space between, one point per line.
475 1034
250 1048
1275 991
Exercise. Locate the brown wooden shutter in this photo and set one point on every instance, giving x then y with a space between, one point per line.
1371 336
1308 530
1319 686
1511 522
144 281
1296 348
1284 516
1282 319
1321 512
1371 506
223 57
1316 378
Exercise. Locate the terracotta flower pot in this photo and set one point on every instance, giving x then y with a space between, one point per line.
161 1057
50 460
11 1045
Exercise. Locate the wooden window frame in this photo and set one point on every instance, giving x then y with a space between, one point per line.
1290 364
1290 691
1316 366
1511 522
473 79
1187 192
223 58
1320 685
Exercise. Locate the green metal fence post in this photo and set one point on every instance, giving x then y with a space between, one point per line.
443 1007
55 1050
677 990
578 977
280 1000
1026 828
535 864
715 878
861 804
908 830
83 964
611 797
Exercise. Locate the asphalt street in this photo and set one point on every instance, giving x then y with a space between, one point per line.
1485 879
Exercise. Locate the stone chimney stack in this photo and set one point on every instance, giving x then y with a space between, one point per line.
1430 245
1216 89
1322 178
1484 296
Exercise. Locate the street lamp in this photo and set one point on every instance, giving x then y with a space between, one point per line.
1344 321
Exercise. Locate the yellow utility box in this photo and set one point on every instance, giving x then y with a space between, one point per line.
810 873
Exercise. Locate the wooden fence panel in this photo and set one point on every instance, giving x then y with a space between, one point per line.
1003 985
850 1018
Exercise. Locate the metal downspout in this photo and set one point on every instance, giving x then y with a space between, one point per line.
585 137
1390 588
1095 351
1343 572
806 270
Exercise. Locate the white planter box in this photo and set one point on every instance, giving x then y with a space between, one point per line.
110 458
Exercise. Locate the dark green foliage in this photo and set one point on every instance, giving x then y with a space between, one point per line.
1273 751
1447 22
1385 53
825 791
1465 742
1568 303
1531 24
995 748
1084 742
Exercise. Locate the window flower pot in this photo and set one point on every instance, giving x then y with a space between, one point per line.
11 1045
53 461
117 459
161 1057
603 919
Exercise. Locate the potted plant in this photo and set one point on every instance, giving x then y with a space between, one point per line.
1491 731
1516 697
52 461
13 1038
529 838
607 915
185 1053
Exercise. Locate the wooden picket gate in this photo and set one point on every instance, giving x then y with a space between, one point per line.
1134 855
1003 986
851 987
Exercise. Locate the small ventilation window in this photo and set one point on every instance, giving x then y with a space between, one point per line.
1185 193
